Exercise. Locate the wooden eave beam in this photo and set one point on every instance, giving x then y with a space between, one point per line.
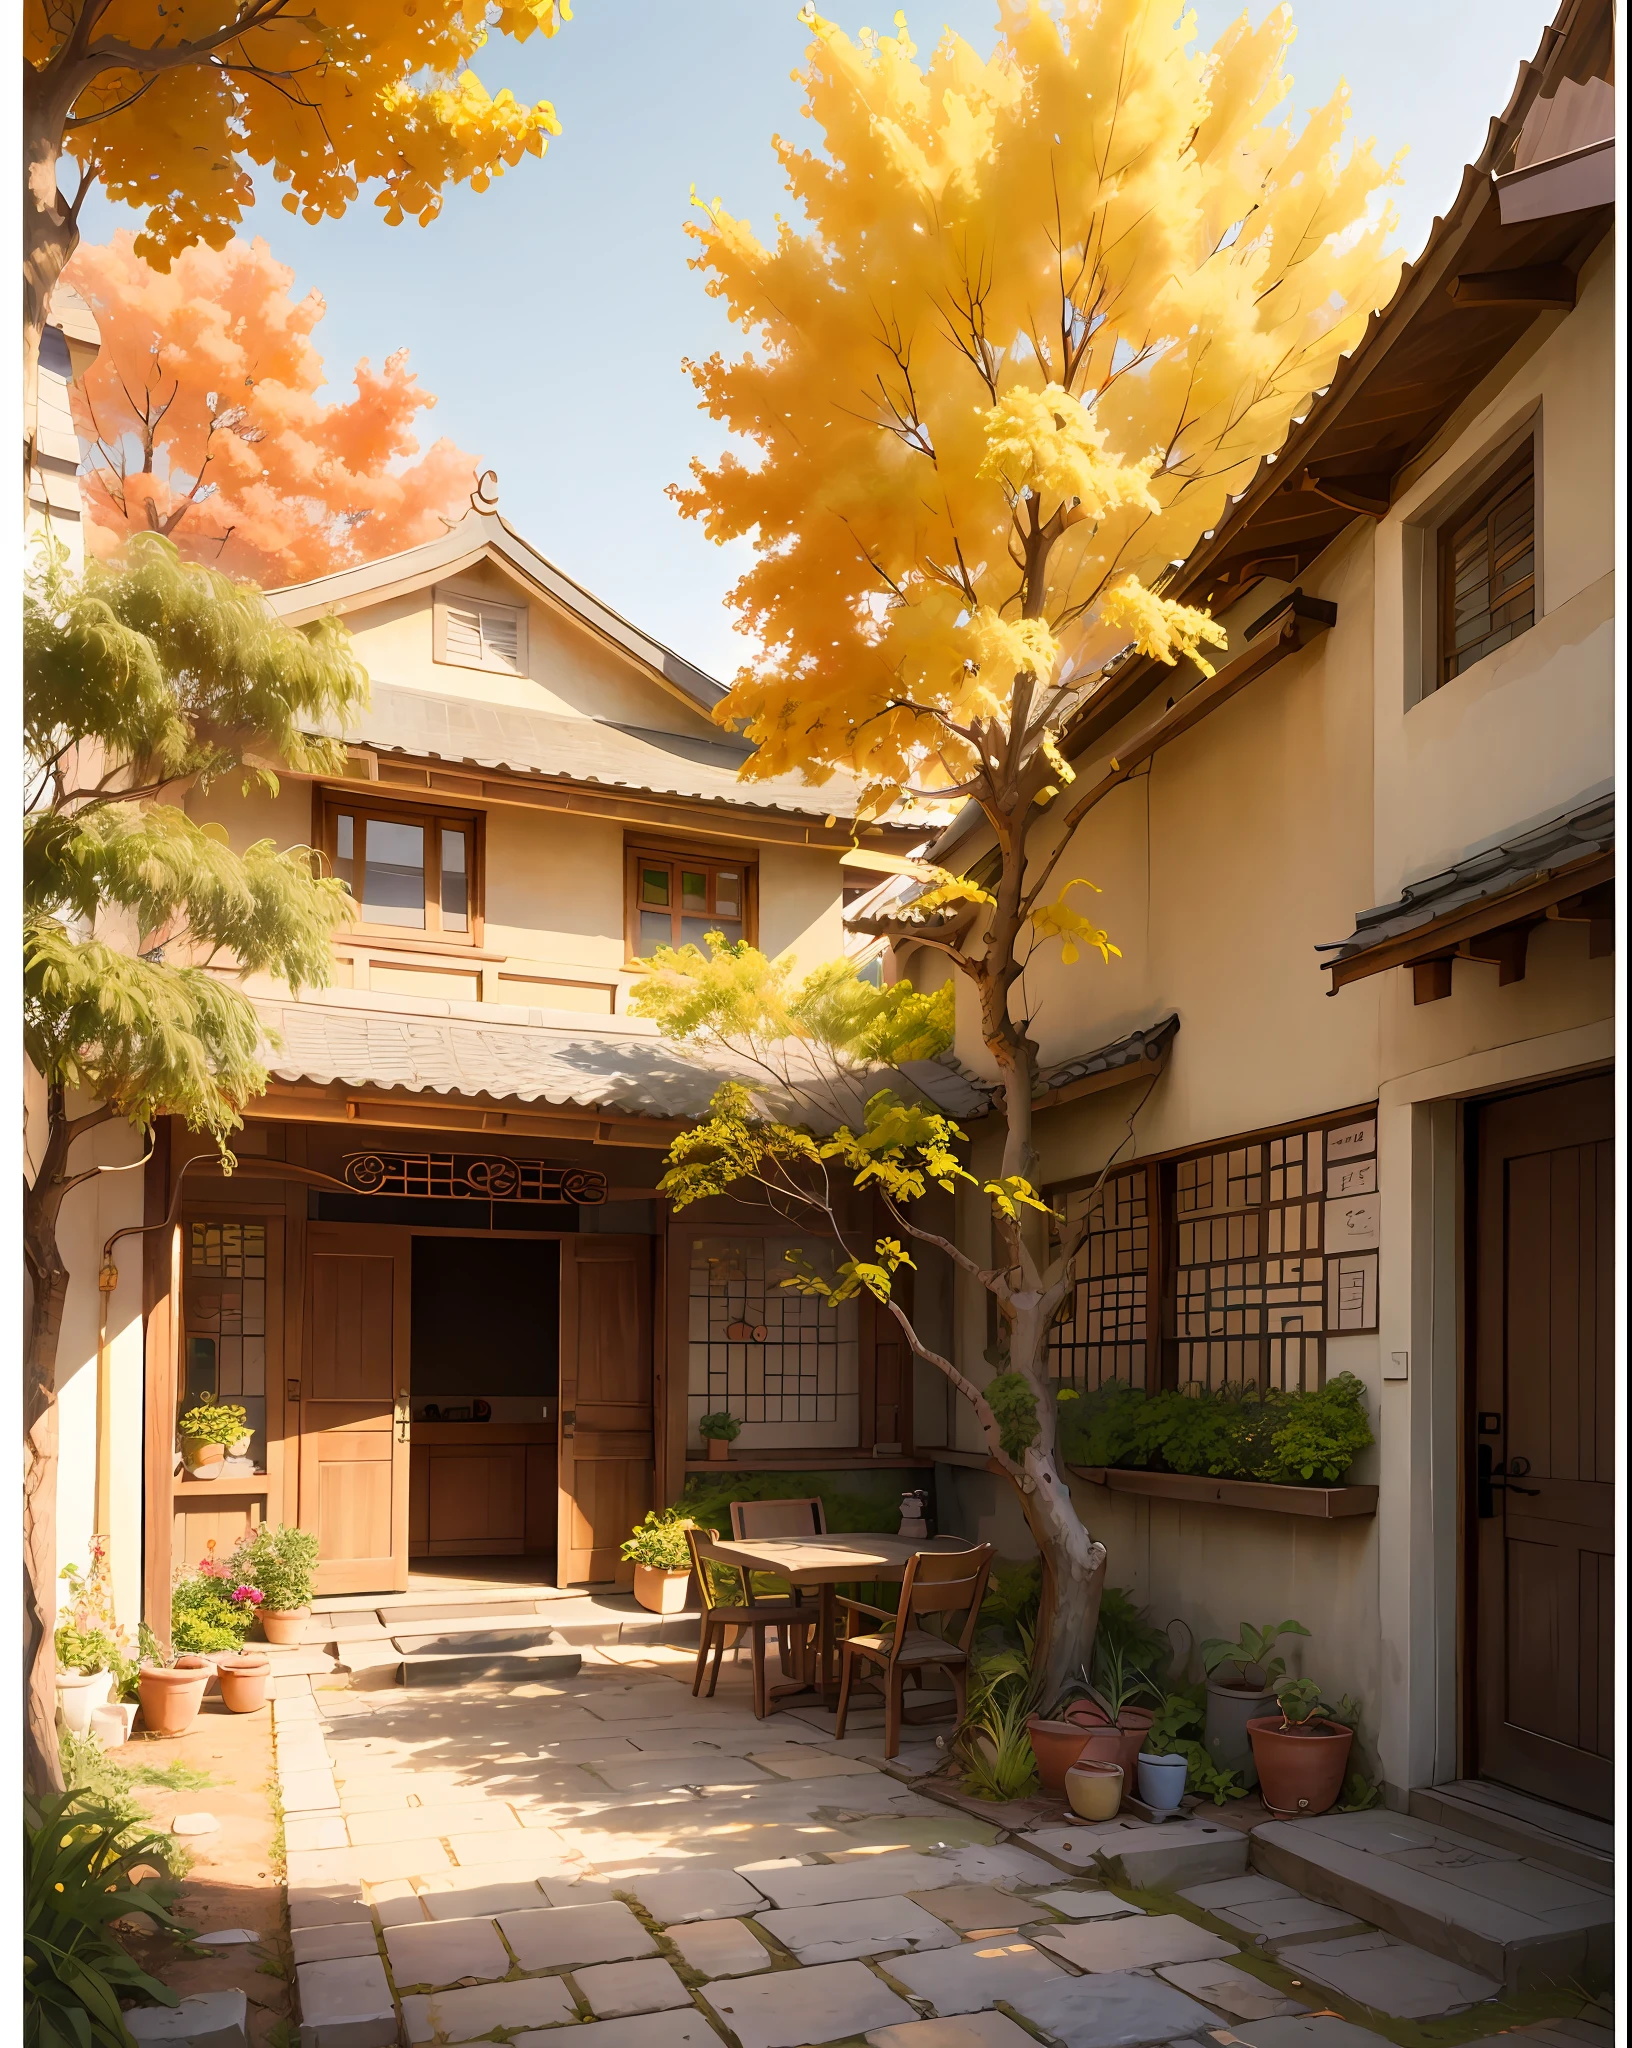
442 780
338 1103
1441 939
1538 285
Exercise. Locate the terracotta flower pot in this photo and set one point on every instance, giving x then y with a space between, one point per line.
79 1694
244 1681
283 1624
1056 1746
239 1447
719 1449
1087 1714
1132 1727
1300 1769
203 1461
1094 1789
172 1694
659 1591
1103 1745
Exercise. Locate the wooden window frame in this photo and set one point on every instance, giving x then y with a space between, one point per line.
446 594
678 853
1484 502
432 819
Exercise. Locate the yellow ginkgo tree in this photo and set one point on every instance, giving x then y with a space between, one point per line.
1036 317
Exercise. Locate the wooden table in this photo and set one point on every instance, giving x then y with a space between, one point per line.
825 1562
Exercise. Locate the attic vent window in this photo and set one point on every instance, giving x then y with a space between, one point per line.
471 633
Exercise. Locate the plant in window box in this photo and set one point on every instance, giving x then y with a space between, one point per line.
657 1549
719 1432
1303 1755
274 1565
206 1432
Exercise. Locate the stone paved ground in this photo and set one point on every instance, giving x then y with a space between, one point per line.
494 1863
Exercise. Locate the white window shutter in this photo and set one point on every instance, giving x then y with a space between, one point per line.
464 634
500 640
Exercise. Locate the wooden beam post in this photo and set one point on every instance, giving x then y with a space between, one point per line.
1431 980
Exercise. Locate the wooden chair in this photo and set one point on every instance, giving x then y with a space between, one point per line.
720 1617
799 1517
941 1582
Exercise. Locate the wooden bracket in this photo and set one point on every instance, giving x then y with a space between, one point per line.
1369 494
1431 979
1505 948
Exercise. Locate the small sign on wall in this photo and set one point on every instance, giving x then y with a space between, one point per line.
1351 1293
1353 1227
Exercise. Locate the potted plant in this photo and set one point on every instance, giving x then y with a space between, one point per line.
1303 1757
657 1548
205 1432
1108 1709
1094 1789
93 1659
244 1677
719 1432
207 1616
1232 1702
170 1687
277 1562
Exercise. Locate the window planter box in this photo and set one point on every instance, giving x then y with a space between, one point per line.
1327 1503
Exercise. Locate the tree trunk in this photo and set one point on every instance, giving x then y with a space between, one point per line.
42 1769
1073 1580
50 232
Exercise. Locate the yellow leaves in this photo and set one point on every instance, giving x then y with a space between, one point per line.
1014 1193
1161 628
1048 443
946 895
1057 920
1056 760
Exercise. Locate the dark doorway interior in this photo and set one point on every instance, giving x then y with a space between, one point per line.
1542 1443
485 1375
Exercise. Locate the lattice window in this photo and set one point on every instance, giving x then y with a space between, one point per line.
1250 1275
1488 568
785 1364
224 1320
1101 1335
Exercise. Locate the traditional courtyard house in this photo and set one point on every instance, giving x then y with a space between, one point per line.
1357 1052
68 347
462 1325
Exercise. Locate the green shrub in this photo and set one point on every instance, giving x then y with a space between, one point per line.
1012 1402
720 1427
81 1856
279 1561
1232 1433
659 1542
213 1423
204 1615
1177 1730
852 1501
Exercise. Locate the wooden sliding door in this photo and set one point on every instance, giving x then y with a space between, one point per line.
606 1401
353 1452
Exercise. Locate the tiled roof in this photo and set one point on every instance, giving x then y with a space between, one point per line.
1148 1043
435 1048
591 751
1574 835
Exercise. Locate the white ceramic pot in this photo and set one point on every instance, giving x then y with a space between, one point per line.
1162 1780
661 1592
79 1694
111 1725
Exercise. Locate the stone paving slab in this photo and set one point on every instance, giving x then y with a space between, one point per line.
966 2030
561 1937
866 1877
439 1952
305 1832
1122 2010
803 2008
1000 1863
698 1895
856 1928
1091 1905
681 2029
208 2019
616 1990
720 1948
660 1773
325 1905
467 2015
1391 1976
345 2004
1135 1944
1324 2030
332 1944
972 1908
976 1974
414 1823
1240 1996
1273 1922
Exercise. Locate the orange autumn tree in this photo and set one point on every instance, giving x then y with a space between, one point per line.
1036 317
203 416
173 107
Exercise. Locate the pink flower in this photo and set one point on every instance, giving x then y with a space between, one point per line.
248 1595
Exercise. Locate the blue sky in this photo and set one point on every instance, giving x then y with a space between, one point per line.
551 313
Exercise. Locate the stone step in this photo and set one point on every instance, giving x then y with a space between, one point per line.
450 1660
1469 1901
1575 1843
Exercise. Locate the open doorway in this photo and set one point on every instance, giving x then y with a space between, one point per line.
484 1379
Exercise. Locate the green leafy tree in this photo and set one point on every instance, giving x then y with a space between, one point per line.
142 679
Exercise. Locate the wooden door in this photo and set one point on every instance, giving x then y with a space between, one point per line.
606 1401
1543 1444
353 1457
